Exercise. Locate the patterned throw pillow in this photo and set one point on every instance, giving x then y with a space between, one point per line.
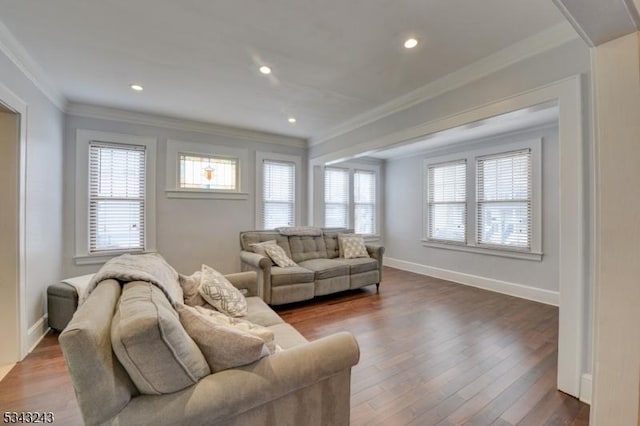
277 254
352 246
221 294
259 248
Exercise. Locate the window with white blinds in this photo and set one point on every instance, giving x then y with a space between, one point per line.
336 197
364 199
504 199
446 205
278 194
117 175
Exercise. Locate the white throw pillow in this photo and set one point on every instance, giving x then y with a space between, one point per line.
352 246
221 294
277 254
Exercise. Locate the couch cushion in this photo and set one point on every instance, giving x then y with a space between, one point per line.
360 264
293 275
326 268
286 336
190 285
331 240
221 294
261 313
307 247
151 344
223 344
352 246
279 257
252 237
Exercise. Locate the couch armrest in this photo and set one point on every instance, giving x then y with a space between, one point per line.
245 280
227 394
262 266
376 252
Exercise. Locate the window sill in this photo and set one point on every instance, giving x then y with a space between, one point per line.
206 195
99 259
371 238
536 257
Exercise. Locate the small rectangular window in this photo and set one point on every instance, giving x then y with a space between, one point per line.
504 188
336 198
446 204
364 198
116 197
278 192
202 172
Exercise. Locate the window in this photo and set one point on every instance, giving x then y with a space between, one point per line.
336 198
504 188
502 215
116 197
364 198
207 172
279 190
446 202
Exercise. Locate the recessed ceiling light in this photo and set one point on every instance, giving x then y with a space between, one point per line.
292 120
410 43
136 87
265 69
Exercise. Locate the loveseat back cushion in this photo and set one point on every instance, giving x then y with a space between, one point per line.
151 344
307 247
331 240
252 237
101 384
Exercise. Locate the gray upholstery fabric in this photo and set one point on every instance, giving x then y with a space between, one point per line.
251 237
292 275
316 374
62 302
286 336
331 240
102 386
306 247
152 344
364 278
292 293
260 313
189 285
245 281
331 285
360 264
326 268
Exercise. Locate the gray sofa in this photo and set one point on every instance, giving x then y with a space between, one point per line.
320 268
306 383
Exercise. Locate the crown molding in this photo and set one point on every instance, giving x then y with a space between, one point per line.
546 40
29 67
146 119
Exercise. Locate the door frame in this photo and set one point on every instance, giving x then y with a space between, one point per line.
14 103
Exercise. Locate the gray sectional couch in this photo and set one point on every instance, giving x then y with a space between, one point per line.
306 383
320 268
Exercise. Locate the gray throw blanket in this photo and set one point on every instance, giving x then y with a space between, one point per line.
151 268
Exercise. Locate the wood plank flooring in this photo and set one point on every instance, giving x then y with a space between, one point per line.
432 353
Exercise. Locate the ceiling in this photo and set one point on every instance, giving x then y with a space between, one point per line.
199 59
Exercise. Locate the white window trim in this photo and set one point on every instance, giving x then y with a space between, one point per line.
535 253
260 158
175 148
352 167
83 138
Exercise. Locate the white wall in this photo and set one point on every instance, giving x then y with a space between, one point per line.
616 68
403 226
44 148
189 231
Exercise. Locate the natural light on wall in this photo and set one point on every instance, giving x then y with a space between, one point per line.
208 173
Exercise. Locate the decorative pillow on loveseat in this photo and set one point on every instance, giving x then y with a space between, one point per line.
221 294
278 255
223 345
352 246
151 344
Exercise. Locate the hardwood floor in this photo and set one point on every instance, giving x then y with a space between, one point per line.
432 353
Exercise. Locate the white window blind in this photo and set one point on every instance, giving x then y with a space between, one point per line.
279 189
336 197
446 204
208 172
116 197
364 199
504 199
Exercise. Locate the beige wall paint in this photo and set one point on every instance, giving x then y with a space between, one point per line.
616 72
9 234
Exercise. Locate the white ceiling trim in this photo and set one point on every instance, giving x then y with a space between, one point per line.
548 39
30 68
132 117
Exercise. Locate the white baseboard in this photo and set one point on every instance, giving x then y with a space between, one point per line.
512 289
36 333
586 387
